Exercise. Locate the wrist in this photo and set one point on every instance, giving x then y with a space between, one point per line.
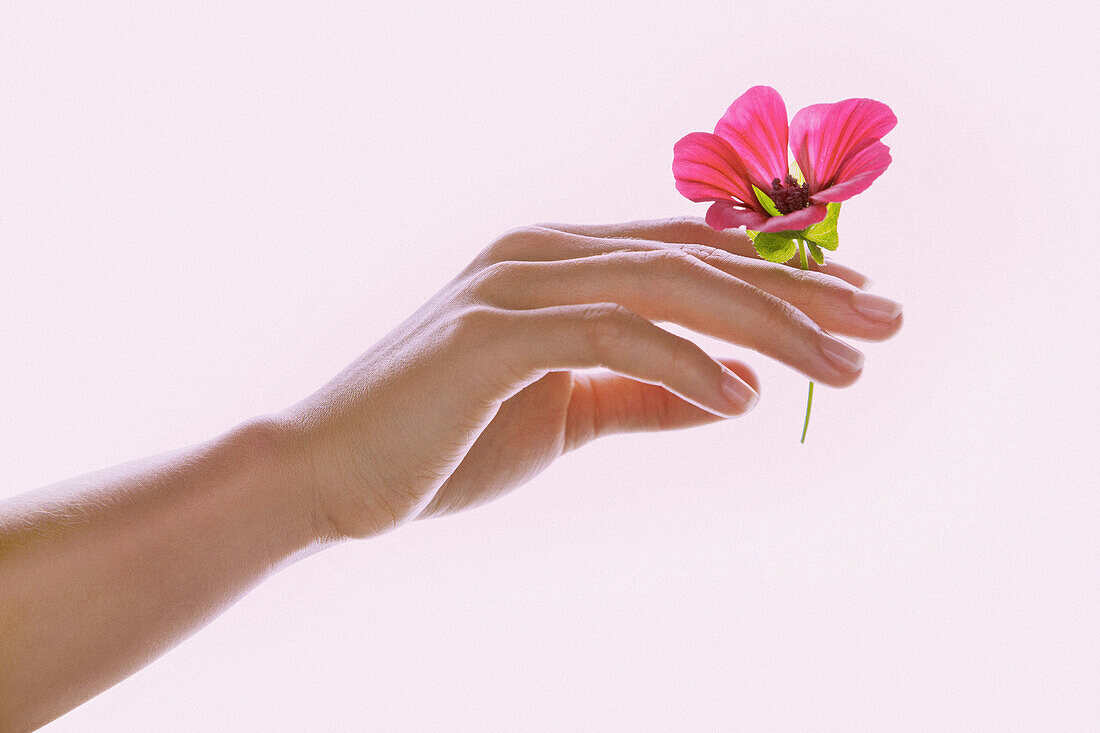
277 475
321 458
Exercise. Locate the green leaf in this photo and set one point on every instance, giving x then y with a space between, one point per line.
824 232
765 201
815 252
797 173
774 247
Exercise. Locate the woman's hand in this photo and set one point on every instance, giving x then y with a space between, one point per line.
474 394
467 399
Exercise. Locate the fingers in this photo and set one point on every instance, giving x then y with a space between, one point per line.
833 303
605 403
689 230
670 285
609 335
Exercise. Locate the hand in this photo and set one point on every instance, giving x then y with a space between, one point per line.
474 394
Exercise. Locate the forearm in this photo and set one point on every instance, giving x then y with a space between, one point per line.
102 573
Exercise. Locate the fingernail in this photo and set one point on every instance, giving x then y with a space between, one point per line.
841 354
875 307
739 395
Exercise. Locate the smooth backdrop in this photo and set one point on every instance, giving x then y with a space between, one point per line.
207 209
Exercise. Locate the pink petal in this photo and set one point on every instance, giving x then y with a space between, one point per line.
825 136
857 173
755 125
708 169
725 215
794 221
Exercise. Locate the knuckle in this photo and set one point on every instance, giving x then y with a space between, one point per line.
670 264
797 280
822 292
672 258
780 312
490 342
607 325
689 229
789 312
480 324
802 277
705 253
670 270
490 281
514 244
679 355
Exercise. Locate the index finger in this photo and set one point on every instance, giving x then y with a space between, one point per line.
696 231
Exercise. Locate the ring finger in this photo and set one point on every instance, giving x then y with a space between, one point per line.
669 285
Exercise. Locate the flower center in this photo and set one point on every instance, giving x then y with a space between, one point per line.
788 195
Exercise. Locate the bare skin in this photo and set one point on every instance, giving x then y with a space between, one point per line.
470 397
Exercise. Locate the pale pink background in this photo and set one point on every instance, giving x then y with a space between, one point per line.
205 211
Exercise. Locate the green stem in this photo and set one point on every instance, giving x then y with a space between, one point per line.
810 396
809 401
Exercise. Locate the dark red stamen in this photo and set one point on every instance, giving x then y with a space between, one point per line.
788 195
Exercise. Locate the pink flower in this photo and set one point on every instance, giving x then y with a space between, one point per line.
837 147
